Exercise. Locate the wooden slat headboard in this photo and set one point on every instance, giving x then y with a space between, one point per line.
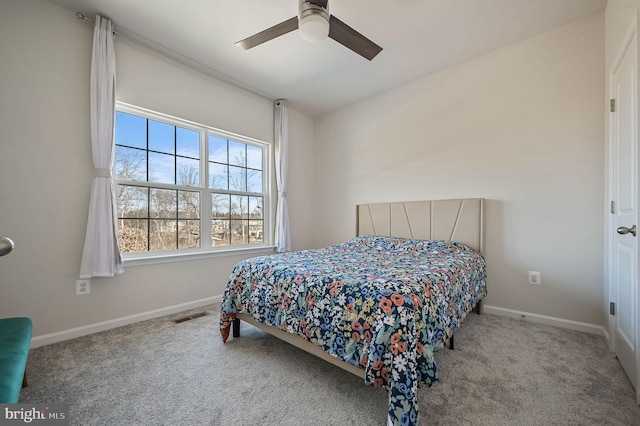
460 220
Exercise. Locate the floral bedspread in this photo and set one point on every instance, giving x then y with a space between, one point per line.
383 304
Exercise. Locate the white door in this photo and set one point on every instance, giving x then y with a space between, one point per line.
624 122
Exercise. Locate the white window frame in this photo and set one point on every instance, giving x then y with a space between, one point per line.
205 250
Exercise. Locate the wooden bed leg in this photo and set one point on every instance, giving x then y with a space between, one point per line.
451 342
236 327
24 380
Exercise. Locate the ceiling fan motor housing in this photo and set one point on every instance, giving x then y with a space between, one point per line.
313 21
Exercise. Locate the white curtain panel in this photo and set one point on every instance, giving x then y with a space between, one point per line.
283 239
101 255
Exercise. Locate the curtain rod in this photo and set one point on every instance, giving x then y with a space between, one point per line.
83 17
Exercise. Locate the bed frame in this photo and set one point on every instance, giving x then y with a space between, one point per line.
460 220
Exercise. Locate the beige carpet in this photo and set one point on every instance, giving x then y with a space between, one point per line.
502 372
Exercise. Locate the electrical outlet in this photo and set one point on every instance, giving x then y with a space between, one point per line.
535 278
83 287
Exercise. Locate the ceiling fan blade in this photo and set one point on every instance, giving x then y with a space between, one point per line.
350 38
269 34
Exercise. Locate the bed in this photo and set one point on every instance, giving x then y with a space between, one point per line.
379 305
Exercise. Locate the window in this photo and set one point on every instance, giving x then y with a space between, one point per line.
184 187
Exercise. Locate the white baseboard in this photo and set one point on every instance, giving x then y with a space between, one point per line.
59 336
543 319
605 334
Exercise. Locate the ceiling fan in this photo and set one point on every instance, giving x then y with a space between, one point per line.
316 23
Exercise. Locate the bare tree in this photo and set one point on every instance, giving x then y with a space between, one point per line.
129 166
132 201
188 208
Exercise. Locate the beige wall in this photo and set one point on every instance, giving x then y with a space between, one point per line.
522 127
46 171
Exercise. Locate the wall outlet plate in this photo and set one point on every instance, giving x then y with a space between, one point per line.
535 278
83 287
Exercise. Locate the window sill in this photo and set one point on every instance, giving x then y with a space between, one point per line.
182 257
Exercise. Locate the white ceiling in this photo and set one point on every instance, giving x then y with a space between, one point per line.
419 37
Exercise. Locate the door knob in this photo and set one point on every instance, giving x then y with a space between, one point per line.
6 245
623 230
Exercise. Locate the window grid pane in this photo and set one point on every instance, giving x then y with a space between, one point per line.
188 171
239 232
188 205
218 176
131 130
237 154
256 231
254 157
254 181
162 168
187 143
154 218
133 235
220 233
162 137
163 234
188 234
131 164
